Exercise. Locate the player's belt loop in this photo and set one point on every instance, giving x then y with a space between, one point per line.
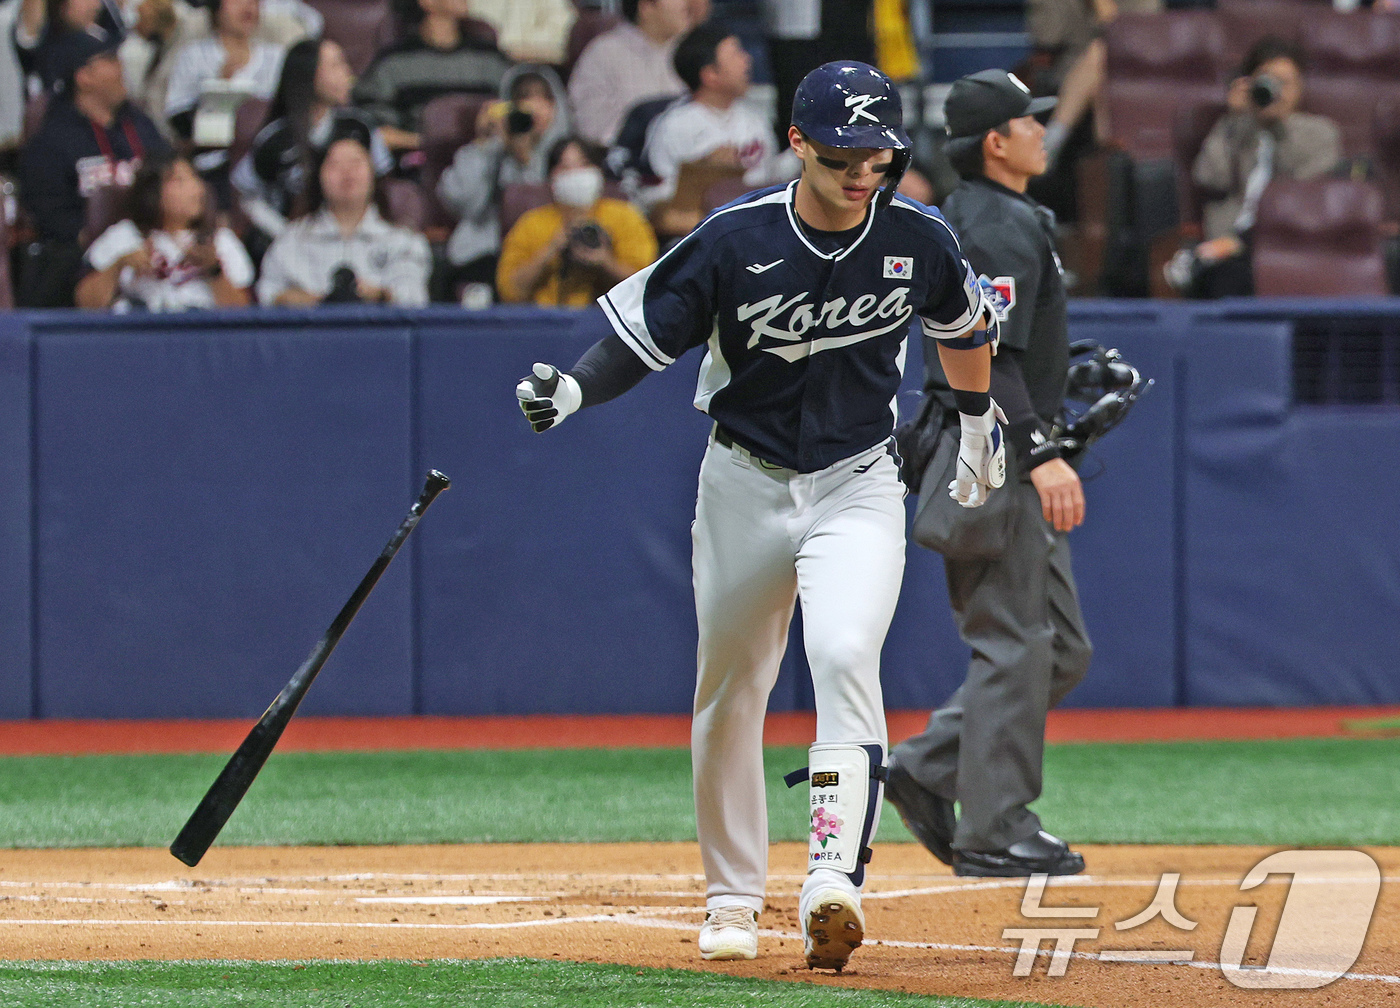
723 439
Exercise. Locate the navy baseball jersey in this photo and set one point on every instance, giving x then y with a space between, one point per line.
804 348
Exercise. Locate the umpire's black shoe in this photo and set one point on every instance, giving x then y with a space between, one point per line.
1041 854
928 816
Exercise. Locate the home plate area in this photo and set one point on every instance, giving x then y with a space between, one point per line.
928 932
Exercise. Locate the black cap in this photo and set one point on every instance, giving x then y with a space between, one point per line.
70 51
985 100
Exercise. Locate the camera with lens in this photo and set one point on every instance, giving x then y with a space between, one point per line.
1265 90
519 121
344 289
589 235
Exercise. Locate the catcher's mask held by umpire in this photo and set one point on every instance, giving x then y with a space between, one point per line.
849 104
1098 396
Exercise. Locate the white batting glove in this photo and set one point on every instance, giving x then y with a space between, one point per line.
981 458
547 396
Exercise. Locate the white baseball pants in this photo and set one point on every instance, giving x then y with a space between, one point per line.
764 538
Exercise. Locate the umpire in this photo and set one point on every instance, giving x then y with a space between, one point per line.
1008 563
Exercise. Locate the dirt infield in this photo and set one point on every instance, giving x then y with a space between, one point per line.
640 904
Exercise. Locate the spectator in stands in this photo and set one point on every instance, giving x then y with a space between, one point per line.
343 250
533 32
512 145
41 22
437 58
91 137
627 64
309 111
714 132
167 255
572 250
1261 136
146 45
233 54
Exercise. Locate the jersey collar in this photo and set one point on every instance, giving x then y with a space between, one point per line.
797 227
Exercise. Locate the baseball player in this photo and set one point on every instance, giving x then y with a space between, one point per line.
802 296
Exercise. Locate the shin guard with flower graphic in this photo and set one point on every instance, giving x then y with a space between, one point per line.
845 803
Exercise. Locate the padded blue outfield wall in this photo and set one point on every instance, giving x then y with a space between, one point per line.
185 503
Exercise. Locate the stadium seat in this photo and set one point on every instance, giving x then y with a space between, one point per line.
1352 62
1386 142
1193 124
1158 63
448 121
1356 44
519 197
361 27
1247 21
1320 238
1160 68
105 207
247 121
408 205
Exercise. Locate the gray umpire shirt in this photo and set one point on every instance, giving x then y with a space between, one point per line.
1009 239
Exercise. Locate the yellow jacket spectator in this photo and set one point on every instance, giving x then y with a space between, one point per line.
574 249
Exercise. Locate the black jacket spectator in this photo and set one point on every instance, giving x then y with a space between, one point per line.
42 53
91 137
71 155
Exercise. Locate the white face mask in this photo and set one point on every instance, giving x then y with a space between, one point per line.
577 187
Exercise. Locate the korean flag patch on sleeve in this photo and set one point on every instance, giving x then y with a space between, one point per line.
899 267
1000 293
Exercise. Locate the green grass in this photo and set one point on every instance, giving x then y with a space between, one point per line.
501 983
1297 791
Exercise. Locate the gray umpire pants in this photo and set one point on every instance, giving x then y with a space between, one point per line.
1020 615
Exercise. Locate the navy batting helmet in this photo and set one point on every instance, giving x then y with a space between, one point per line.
850 104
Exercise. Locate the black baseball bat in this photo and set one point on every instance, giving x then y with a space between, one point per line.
237 775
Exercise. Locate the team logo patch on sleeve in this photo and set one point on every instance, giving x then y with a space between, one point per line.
1001 292
898 267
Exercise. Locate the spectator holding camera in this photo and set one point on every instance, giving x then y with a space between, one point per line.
344 250
1261 136
310 110
167 255
575 248
513 140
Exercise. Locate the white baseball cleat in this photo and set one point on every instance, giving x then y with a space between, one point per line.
832 928
729 932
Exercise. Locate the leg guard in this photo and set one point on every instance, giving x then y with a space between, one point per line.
845 799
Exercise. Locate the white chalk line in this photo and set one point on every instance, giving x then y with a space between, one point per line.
651 922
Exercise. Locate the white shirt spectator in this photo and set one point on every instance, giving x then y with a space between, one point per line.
175 284
203 59
615 71
307 254
690 130
533 32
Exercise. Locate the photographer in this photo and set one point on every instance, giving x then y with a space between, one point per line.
513 139
1262 136
572 250
344 250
